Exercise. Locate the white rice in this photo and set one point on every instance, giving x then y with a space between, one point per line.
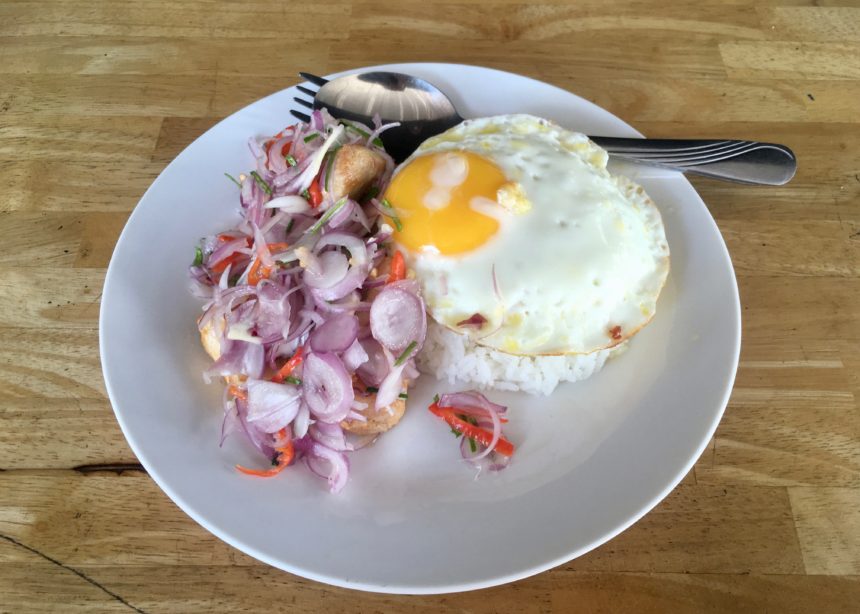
457 359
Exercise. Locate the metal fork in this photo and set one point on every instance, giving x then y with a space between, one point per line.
424 111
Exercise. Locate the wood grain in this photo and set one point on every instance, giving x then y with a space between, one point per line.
40 508
38 585
97 98
828 525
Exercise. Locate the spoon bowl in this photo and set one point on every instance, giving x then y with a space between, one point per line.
420 107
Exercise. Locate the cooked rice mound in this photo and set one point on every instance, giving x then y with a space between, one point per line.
457 359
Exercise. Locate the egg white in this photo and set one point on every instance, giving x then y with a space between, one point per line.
580 256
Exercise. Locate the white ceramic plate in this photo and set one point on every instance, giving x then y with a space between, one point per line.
592 458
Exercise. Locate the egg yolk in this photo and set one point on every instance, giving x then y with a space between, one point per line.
445 201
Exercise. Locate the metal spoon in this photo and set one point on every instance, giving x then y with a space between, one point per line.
424 111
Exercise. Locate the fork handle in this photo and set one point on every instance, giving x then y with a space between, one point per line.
751 162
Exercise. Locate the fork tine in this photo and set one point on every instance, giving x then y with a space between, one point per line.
303 102
305 90
687 161
692 150
693 156
319 81
301 116
638 148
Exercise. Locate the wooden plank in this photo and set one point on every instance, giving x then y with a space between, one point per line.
47 298
232 92
60 433
177 133
117 95
58 513
791 248
819 368
98 239
545 21
194 19
792 419
57 364
776 307
112 55
667 99
71 185
785 437
39 586
812 23
40 239
582 60
828 526
791 60
59 137
805 200
680 535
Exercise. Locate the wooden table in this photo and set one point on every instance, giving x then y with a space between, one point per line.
95 99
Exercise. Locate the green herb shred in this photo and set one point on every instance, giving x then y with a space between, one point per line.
293 380
472 445
355 128
198 256
263 185
329 164
349 125
409 349
306 195
290 160
327 216
372 389
402 395
397 223
233 179
311 137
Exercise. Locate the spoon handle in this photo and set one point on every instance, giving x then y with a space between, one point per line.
751 162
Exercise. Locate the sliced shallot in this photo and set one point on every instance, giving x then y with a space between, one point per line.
327 387
354 356
272 406
397 319
336 334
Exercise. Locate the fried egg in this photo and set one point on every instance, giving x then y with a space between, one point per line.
522 239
